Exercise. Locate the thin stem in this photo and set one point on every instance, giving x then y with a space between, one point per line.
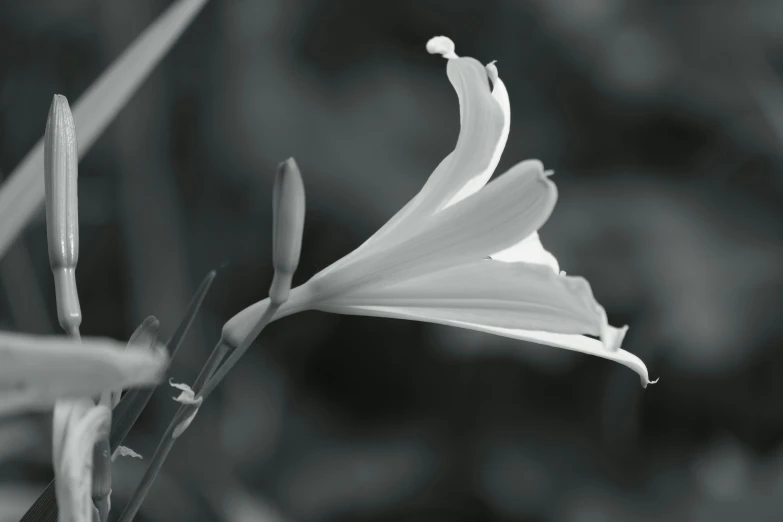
167 442
161 452
240 350
211 366
212 374
139 397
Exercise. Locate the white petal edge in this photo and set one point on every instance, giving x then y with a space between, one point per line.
500 94
510 295
529 250
576 343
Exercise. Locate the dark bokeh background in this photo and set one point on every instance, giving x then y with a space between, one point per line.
671 182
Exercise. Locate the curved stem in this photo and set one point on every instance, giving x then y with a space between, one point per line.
238 351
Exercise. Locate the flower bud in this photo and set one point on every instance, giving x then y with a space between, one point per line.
288 207
62 213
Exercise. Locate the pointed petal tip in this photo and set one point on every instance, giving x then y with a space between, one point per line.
611 337
492 71
615 336
290 163
289 168
442 45
645 382
534 165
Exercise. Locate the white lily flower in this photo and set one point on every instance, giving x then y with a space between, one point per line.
464 252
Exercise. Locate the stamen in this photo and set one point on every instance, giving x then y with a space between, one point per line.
441 45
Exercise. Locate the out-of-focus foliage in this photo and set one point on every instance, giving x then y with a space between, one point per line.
671 183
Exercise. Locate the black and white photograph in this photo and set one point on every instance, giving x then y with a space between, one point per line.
391 260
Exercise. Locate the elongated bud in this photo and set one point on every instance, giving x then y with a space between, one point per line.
62 213
288 206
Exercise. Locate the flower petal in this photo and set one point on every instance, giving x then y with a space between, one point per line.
509 295
477 182
483 134
529 250
37 370
485 119
506 211
73 472
577 343
66 412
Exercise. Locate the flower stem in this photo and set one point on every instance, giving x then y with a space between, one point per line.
212 373
167 442
237 352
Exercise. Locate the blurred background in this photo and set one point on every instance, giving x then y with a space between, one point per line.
663 122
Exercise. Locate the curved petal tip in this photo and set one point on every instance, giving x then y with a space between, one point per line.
442 45
492 71
613 337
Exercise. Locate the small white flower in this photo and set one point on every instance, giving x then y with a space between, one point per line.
464 252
